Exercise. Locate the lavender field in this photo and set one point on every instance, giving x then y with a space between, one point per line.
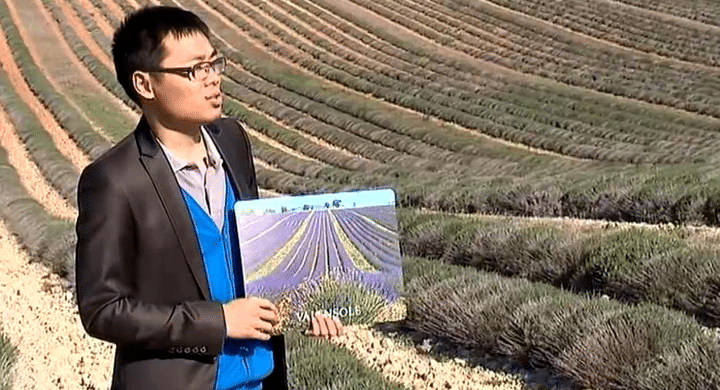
284 253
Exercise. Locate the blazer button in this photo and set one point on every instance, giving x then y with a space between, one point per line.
202 350
187 349
171 350
195 350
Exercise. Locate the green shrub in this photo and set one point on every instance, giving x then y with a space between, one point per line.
607 257
422 270
449 308
48 239
538 253
475 310
540 328
329 292
8 358
704 303
318 364
682 279
694 366
619 350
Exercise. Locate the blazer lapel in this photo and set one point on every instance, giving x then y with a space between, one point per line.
168 190
231 158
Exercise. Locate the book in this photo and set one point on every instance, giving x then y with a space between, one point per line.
338 254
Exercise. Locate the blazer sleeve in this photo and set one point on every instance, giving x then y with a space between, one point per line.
105 256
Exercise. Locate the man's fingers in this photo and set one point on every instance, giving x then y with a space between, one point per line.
338 325
269 315
265 304
263 326
315 326
323 331
260 335
331 326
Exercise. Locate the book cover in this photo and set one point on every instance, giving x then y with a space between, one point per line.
338 254
334 253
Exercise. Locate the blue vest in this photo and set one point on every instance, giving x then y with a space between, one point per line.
242 364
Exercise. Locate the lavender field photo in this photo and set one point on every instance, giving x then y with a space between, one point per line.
336 253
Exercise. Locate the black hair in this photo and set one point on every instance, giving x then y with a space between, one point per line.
137 43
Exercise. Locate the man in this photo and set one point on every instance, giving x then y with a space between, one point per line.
157 263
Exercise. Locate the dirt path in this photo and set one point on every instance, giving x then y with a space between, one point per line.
30 177
42 321
403 363
265 165
266 193
62 141
133 3
277 145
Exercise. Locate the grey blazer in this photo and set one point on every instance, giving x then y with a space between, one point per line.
140 278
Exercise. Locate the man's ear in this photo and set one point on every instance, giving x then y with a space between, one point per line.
143 85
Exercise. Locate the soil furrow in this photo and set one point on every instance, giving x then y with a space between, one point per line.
116 10
63 69
292 65
41 319
62 141
309 137
31 178
271 142
401 363
102 23
264 165
74 21
267 193
700 233
435 121
406 34
134 3
295 66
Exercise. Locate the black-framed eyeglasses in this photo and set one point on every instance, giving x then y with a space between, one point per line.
200 71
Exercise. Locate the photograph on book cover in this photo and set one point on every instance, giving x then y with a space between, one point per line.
334 253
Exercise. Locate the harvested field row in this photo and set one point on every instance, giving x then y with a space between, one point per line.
674 267
282 19
590 341
454 205
450 104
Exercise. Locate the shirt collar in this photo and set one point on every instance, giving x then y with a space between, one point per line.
178 164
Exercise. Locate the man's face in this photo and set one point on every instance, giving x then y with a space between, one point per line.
181 101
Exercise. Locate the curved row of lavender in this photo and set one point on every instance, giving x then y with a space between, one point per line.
379 244
261 236
383 215
319 251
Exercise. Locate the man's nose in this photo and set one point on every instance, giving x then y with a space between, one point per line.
214 77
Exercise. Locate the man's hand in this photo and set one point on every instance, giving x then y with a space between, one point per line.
250 318
321 326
